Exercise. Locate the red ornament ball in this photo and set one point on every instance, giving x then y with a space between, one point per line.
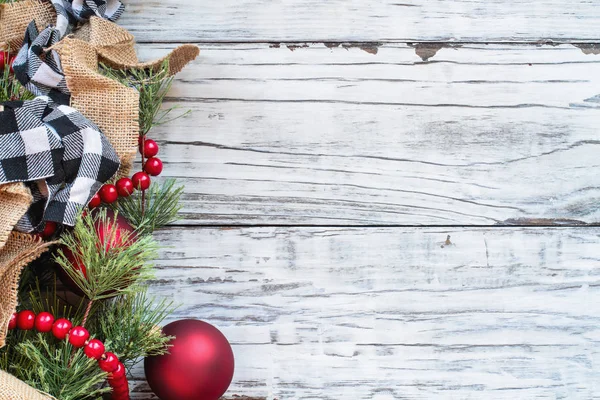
125 187
4 59
148 148
153 166
78 336
95 201
109 362
12 324
113 233
49 229
26 320
61 328
199 365
94 349
141 180
44 322
109 194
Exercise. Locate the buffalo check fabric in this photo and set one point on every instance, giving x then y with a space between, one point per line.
38 69
62 156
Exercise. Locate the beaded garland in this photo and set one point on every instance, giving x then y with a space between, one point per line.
79 337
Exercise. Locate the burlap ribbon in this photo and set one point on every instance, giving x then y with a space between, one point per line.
13 389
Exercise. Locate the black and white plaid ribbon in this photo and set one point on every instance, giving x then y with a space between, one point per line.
38 69
62 156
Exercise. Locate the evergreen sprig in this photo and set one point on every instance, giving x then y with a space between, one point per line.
129 326
158 207
10 88
115 263
153 84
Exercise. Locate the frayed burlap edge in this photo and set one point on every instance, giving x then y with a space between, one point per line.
15 200
12 388
19 250
14 18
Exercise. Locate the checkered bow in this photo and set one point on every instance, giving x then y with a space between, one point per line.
58 153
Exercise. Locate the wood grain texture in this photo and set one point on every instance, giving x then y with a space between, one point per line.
479 134
390 313
364 20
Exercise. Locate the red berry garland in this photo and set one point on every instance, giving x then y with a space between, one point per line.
78 337
124 187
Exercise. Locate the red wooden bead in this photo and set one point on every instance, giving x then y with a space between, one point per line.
94 349
117 374
44 321
95 201
148 148
12 324
3 59
109 362
49 229
153 166
26 320
109 194
61 328
78 336
141 180
125 187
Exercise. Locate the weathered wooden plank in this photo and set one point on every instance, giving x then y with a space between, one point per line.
365 20
481 134
385 313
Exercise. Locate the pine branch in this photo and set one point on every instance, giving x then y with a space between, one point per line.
159 207
110 271
10 88
129 326
152 85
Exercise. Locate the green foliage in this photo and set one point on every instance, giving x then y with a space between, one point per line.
153 85
159 206
10 88
110 270
130 326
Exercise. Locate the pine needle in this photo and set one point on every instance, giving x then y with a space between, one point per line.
10 88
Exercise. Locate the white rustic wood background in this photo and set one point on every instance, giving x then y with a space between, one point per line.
387 199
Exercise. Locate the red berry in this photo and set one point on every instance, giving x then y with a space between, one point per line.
95 201
78 336
153 166
94 349
141 180
125 187
109 362
26 320
148 148
44 321
117 374
49 229
12 324
61 328
109 194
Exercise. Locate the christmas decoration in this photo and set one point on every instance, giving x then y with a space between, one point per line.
199 365
82 200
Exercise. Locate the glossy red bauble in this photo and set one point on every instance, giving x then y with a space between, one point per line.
44 322
199 365
78 336
153 166
95 201
94 349
117 374
125 187
109 194
4 59
12 324
148 148
49 229
141 180
109 362
61 328
25 320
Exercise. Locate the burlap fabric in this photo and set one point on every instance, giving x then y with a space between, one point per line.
111 105
13 389
14 18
